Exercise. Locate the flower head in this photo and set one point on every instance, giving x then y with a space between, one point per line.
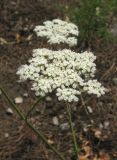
64 72
58 31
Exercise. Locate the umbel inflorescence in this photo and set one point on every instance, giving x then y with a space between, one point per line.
64 72
58 31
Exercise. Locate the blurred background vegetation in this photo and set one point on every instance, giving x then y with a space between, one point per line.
95 19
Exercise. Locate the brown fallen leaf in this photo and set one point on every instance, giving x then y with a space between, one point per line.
88 150
95 157
97 132
103 156
18 37
82 157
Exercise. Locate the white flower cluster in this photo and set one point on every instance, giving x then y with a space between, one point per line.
58 31
64 72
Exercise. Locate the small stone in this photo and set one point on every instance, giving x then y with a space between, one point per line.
55 121
89 109
98 134
50 141
106 124
114 81
25 94
48 98
101 126
18 100
70 151
6 135
9 111
64 126
85 129
29 37
61 116
92 121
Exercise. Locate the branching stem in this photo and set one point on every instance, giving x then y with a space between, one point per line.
29 124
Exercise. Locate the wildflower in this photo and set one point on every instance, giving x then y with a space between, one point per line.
58 31
64 72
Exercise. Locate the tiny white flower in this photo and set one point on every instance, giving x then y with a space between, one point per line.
64 72
58 31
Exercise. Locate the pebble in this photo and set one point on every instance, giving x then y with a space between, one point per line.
50 141
64 126
55 121
18 100
85 129
61 116
92 121
48 98
101 126
114 81
9 111
25 94
98 134
89 109
106 124
6 135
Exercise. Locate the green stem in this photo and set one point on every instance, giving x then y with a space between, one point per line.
32 108
36 132
13 105
72 131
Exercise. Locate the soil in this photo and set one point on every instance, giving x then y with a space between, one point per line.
17 40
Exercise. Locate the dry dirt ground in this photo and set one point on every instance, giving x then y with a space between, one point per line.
96 131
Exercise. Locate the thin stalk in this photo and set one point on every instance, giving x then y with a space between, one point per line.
36 132
32 108
76 149
40 135
13 105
